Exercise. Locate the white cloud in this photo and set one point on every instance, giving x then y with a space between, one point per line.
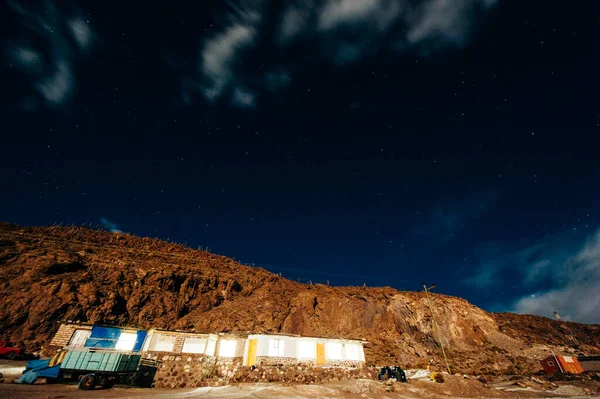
576 295
242 98
441 18
65 38
561 273
576 301
338 12
294 21
56 88
442 22
81 32
221 52
111 226
343 31
28 59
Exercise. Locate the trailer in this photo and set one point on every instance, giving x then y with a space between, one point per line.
109 355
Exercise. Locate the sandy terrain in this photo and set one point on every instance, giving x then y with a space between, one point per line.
343 389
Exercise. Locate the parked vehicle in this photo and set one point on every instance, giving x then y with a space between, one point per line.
92 368
9 351
109 356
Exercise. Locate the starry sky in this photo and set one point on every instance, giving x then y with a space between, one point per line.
377 142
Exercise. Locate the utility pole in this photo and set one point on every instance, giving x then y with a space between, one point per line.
435 325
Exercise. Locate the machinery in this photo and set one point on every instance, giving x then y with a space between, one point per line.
396 372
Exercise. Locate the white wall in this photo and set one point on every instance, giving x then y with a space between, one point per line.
263 345
227 347
306 347
194 345
211 345
162 342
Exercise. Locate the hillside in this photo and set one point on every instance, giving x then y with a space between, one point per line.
55 273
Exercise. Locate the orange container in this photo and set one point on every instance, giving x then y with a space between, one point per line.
561 364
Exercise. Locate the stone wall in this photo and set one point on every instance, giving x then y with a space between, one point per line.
345 363
64 334
302 374
180 371
275 361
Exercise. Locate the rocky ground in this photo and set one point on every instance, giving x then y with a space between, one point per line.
419 386
69 273
452 387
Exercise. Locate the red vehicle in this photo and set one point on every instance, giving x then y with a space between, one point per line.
8 351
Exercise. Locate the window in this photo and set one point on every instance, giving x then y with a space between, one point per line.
276 347
162 343
333 350
79 337
550 363
194 345
352 351
227 348
211 345
126 341
307 350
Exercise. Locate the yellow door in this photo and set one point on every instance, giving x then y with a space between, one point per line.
251 360
320 353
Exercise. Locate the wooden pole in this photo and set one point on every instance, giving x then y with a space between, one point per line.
437 328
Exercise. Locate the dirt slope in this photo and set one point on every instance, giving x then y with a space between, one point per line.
56 273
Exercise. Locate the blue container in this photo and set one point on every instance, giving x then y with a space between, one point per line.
101 361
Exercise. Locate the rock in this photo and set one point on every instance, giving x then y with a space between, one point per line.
116 263
569 390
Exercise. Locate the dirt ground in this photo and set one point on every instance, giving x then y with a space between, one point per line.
418 387
453 387
12 369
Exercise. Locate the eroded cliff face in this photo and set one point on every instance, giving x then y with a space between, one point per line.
56 273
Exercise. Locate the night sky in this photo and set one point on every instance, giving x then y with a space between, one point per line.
373 142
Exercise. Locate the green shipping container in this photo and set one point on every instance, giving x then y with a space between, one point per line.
100 361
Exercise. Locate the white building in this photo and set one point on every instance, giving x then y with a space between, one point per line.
255 349
263 349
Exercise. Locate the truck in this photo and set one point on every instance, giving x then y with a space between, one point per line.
110 355
9 351
91 367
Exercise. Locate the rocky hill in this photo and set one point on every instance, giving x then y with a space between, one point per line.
56 273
